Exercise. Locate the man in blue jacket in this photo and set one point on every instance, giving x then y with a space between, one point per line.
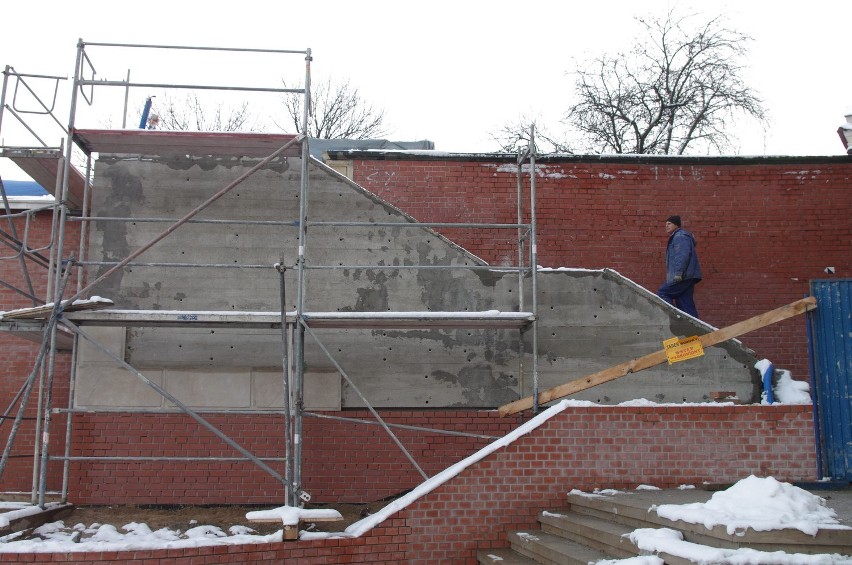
682 268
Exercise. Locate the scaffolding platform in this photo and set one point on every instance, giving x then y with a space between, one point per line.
44 165
169 143
328 320
33 330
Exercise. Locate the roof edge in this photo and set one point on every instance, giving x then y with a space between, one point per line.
396 155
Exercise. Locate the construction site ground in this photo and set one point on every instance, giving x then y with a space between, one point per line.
184 517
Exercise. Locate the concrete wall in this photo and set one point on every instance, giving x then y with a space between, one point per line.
589 320
765 226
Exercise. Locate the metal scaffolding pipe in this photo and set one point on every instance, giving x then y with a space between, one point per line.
299 329
156 458
292 223
197 48
287 400
186 86
401 426
534 265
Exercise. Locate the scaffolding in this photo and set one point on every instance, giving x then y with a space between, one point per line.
57 322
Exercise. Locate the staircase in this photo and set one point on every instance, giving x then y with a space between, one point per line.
592 528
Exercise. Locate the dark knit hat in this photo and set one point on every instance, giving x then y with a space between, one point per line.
674 219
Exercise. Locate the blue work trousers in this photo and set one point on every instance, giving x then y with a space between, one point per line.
680 295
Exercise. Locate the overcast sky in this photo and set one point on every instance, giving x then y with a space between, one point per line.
454 71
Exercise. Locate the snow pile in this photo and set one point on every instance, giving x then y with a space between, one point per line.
785 388
55 538
290 515
789 391
760 504
668 541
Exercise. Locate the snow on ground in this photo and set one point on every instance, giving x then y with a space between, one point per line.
133 536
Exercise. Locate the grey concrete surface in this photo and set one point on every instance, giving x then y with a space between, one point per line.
588 320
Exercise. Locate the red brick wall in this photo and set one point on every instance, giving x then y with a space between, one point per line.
346 462
342 461
765 227
581 448
17 365
38 235
18 355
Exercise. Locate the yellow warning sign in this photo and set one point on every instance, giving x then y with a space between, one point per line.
678 349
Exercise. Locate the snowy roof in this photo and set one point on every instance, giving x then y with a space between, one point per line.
320 146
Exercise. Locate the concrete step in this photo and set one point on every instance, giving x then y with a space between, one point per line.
636 523
593 528
633 510
503 556
600 534
551 549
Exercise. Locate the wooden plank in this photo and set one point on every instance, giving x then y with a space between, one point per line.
658 357
51 514
44 311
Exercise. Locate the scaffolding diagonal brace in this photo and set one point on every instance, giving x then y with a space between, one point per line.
366 403
166 394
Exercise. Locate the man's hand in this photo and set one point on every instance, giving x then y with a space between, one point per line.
677 278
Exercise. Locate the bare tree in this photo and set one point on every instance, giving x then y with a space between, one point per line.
337 112
677 89
515 137
194 115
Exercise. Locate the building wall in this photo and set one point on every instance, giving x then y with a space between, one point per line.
765 226
18 356
607 446
663 446
793 237
588 320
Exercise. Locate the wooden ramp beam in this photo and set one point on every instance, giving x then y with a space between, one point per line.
658 357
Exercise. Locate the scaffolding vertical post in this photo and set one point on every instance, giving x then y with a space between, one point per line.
126 96
51 372
84 224
3 94
58 285
285 367
299 329
534 269
72 388
522 236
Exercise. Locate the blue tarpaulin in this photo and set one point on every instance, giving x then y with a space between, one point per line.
23 188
